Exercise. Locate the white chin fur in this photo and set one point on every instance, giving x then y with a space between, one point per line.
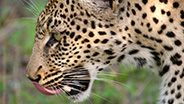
84 95
93 73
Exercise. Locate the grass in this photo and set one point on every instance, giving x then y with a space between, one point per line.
122 85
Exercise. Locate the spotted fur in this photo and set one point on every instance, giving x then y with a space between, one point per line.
77 38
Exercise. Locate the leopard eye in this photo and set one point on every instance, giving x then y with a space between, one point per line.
57 36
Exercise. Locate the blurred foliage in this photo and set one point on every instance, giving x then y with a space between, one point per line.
116 85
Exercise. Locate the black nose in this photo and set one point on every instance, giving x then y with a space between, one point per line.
35 80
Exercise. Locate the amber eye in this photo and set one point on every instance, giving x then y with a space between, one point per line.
53 39
56 36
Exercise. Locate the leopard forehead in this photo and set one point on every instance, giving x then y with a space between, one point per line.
93 34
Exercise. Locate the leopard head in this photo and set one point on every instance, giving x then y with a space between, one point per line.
71 47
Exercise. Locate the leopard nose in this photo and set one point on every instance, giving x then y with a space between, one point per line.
33 79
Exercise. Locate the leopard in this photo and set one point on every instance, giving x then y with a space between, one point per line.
76 39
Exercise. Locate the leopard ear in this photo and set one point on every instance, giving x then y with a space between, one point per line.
100 6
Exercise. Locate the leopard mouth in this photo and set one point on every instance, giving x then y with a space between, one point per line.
75 83
69 90
45 90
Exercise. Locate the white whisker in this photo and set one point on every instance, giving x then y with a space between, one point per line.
76 89
32 11
108 80
32 6
112 73
89 100
53 88
75 73
60 94
79 85
73 79
29 18
102 98
35 6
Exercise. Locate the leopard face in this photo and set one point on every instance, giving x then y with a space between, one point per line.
75 39
66 56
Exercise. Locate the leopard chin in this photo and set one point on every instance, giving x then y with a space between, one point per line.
82 95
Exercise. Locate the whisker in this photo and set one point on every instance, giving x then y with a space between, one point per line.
76 89
111 73
75 70
98 79
32 6
33 12
102 98
112 81
106 80
79 85
53 88
111 69
67 93
77 73
72 79
35 6
29 18
76 77
85 80
60 94
89 101
106 73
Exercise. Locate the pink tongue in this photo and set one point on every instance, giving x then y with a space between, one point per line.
45 90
